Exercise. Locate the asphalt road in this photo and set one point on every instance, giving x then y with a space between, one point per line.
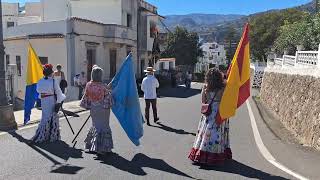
162 154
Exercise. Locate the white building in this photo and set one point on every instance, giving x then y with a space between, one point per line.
214 55
165 64
77 35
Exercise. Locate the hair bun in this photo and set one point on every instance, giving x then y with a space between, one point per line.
48 66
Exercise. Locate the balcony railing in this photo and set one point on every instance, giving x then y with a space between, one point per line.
120 34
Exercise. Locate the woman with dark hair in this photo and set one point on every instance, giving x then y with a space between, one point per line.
212 144
51 98
60 78
97 97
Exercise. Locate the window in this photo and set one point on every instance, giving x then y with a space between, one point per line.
161 65
10 24
43 60
218 53
7 60
129 20
18 62
171 65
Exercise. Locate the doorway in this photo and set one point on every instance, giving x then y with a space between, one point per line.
142 65
91 59
113 62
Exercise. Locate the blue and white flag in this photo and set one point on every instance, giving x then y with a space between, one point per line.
126 101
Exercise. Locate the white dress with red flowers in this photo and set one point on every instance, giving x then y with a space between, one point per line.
212 145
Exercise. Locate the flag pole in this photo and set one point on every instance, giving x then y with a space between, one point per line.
7 121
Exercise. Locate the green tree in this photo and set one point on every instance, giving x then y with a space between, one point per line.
305 32
265 29
231 39
184 46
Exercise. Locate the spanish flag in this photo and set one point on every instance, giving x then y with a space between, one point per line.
237 89
34 74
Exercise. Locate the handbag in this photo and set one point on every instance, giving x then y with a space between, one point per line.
206 109
63 83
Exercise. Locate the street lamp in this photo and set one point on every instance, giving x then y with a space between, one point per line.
7 120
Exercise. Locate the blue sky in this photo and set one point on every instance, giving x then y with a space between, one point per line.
167 7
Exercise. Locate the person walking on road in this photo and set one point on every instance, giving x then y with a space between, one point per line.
60 78
188 80
51 98
98 98
212 145
173 80
149 87
80 81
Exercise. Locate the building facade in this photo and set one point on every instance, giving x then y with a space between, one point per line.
214 55
77 35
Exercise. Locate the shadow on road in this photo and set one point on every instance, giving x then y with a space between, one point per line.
236 167
179 92
59 149
138 162
67 169
170 129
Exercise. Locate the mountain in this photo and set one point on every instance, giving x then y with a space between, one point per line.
199 22
309 7
213 27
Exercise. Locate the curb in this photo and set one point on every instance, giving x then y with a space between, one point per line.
38 120
274 124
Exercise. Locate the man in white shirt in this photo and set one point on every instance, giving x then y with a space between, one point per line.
149 87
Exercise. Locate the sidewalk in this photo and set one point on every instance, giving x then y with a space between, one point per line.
36 114
283 145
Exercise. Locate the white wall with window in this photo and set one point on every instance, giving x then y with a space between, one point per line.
213 53
165 64
52 50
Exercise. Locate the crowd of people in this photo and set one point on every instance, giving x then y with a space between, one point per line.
211 144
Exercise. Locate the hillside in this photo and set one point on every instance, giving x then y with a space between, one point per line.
213 27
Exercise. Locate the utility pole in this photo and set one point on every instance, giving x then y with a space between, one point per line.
317 6
7 120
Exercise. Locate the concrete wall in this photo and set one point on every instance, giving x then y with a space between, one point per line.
55 10
54 49
28 20
37 28
10 12
11 9
108 12
295 99
33 9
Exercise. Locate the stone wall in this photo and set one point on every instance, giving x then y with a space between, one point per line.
295 99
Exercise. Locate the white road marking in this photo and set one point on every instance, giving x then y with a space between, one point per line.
36 124
264 151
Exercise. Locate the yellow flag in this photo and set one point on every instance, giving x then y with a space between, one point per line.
34 69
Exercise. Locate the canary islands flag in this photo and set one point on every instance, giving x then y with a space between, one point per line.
126 101
34 74
237 89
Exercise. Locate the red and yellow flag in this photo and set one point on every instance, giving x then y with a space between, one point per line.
237 89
